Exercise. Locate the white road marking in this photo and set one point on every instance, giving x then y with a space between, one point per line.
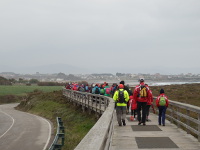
49 136
13 121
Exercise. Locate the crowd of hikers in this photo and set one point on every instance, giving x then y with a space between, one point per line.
137 101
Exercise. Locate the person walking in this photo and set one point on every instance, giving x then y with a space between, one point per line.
140 95
107 90
162 103
127 89
121 97
133 106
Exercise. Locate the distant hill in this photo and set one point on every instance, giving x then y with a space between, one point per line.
4 81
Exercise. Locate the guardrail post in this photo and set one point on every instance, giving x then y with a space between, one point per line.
57 144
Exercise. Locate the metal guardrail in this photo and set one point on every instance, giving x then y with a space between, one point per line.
58 141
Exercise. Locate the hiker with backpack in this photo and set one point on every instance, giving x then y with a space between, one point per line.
162 104
102 90
96 89
140 95
113 89
87 89
129 92
121 97
107 90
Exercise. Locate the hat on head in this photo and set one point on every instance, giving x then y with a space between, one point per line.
141 80
122 82
162 91
121 86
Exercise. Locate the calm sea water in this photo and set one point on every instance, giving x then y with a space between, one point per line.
150 83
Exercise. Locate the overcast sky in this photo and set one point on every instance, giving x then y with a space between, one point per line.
100 36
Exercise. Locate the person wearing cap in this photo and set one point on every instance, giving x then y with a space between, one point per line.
140 95
162 103
129 92
121 98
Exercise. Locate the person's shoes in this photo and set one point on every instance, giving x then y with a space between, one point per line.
163 124
139 123
131 118
159 124
144 124
124 123
147 119
120 124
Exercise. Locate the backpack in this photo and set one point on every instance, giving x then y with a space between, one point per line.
86 88
107 90
113 89
97 91
162 101
81 89
102 91
121 98
143 91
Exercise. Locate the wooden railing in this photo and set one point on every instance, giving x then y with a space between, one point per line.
98 138
185 116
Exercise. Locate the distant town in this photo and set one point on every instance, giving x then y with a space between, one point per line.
62 78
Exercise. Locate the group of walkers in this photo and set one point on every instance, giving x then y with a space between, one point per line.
137 101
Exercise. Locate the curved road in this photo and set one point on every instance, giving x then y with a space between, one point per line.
22 131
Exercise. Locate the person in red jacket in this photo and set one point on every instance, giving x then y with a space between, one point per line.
133 106
140 95
162 104
149 102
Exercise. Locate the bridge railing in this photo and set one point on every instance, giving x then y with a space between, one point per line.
99 136
185 116
58 141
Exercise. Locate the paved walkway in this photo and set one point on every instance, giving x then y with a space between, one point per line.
152 136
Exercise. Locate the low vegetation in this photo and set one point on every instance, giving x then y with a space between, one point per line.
187 93
53 104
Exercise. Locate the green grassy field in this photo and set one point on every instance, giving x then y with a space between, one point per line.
21 90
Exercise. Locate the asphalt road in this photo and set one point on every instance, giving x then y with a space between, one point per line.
22 131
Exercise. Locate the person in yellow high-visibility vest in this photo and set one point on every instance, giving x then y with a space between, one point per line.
121 97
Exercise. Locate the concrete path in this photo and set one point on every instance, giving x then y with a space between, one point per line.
22 131
152 136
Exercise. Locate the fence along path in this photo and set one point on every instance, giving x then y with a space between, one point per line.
107 135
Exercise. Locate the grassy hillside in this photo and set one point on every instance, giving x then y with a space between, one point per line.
53 104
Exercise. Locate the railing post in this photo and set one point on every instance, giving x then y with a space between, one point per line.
188 122
171 113
178 116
